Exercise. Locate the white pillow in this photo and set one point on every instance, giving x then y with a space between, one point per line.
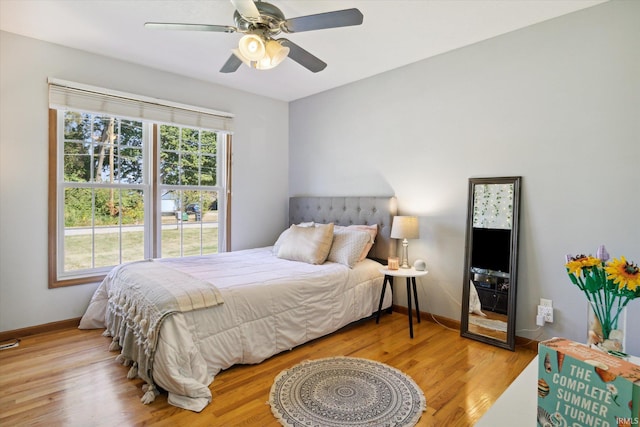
348 245
283 235
307 244
373 232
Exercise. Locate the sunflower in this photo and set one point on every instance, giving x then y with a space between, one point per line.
624 274
578 262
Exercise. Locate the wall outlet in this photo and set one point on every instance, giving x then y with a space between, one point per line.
546 302
546 312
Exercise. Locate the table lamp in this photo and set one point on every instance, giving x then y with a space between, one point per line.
404 227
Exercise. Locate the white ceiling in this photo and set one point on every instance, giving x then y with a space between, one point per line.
394 33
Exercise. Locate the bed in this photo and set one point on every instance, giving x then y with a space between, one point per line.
243 307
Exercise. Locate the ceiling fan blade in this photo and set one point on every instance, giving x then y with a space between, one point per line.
246 8
232 64
190 27
302 57
338 18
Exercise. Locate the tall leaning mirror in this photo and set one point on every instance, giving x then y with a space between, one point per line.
491 261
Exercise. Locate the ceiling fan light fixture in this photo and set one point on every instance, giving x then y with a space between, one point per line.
259 22
276 52
262 64
252 47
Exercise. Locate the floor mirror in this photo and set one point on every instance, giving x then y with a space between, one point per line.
491 261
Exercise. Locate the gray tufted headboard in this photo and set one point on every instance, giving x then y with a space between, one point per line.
347 211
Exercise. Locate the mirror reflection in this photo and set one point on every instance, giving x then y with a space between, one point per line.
491 261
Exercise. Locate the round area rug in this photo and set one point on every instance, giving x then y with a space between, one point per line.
345 391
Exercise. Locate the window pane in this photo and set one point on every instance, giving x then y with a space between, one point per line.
133 243
78 235
118 151
210 202
78 207
210 224
209 239
208 163
104 159
120 238
103 137
131 133
170 233
169 138
132 207
190 167
107 207
129 165
77 162
103 227
107 246
191 240
129 155
169 170
193 230
188 156
208 170
98 245
77 147
77 126
190 140
208 142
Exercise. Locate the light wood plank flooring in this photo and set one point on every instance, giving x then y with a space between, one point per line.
69 378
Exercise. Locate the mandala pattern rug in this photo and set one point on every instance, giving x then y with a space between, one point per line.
345 391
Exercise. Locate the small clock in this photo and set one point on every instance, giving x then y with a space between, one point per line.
420 265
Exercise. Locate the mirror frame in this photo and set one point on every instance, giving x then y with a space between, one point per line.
510 342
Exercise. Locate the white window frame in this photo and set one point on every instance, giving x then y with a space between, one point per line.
221 178
76 95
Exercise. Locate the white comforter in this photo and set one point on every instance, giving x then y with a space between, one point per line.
270 305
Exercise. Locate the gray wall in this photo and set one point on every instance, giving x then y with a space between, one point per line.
557 103
260 159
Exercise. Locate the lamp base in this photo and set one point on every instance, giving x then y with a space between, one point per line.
405 254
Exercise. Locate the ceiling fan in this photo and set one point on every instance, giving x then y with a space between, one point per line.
260 22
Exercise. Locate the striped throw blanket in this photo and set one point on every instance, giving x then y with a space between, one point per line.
143 294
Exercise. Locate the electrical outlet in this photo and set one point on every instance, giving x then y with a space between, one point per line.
546 312
546 302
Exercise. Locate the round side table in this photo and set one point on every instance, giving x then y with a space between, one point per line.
410 274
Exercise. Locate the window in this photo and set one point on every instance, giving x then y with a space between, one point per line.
188 186
125 189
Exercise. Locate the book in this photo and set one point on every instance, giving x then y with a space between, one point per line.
582 386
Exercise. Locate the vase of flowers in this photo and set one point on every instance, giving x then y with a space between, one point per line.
609 286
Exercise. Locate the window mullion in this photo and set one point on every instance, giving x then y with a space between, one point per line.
155 193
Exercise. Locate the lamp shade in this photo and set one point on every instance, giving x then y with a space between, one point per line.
252 47
271 52
404 227
276 52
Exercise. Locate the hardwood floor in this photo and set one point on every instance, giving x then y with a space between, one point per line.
69 378
476 322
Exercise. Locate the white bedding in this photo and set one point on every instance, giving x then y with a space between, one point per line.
270 305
